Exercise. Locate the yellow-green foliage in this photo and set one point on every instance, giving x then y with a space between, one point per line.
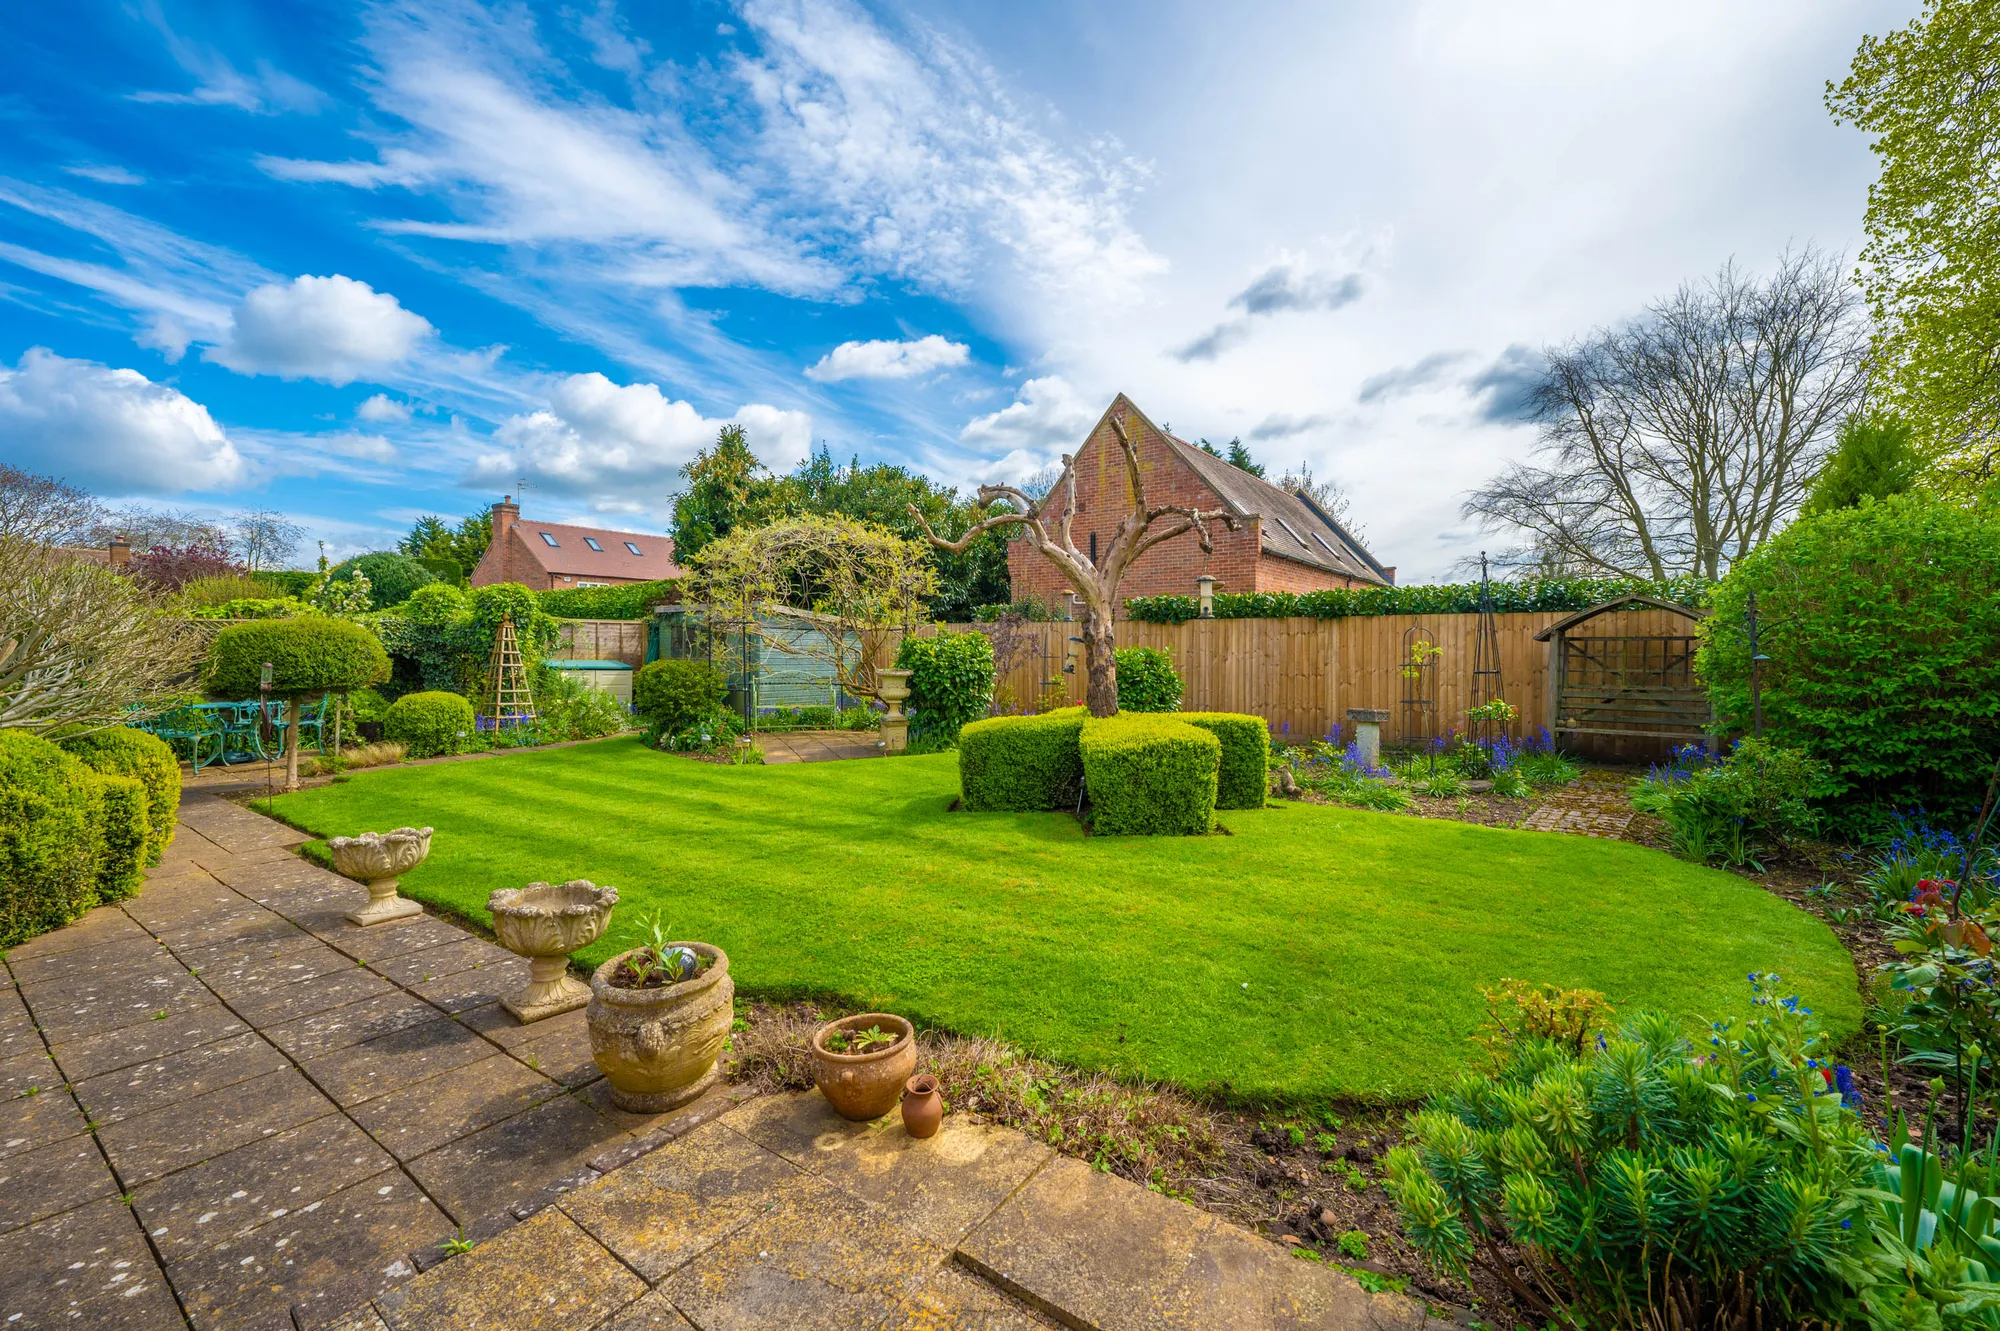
1021 762
428 724
1150 774
1246 753
135 753
51 808
125 835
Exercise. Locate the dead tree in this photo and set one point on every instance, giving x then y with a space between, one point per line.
1096 584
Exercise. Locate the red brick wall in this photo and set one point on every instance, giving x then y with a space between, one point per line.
507 560
1170 568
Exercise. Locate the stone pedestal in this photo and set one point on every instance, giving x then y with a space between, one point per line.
379 859
894 686
1367 722
545 924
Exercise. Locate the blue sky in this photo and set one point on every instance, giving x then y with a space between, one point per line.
362 262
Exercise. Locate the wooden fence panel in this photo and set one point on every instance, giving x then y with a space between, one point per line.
602 640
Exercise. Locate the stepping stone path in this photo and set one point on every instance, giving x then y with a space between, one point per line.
1599 805
223 1106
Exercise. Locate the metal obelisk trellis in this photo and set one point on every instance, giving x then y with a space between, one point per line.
513 700
1485 655
1420 698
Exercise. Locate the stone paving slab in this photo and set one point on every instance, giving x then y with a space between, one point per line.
496 1167
105 924
324 1032
424 1116
360 1072
117 1002
433 963
145 1147
477 987
562 1054
89 1267
28 1074
544 1273
335 988
105 959
955 1300
943 1187
94 1055
52 1179
177 1077
240 977
32 1121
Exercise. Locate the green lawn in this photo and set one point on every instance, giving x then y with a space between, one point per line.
1316 951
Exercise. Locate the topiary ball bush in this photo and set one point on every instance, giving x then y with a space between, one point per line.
1020 763
391 576
1149 775
428 724
1882 625
124 833
122 751
951 679
1147 681
1245 774
675 694
51 807
310 656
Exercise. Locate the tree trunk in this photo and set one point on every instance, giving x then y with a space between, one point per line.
1100 662
292 744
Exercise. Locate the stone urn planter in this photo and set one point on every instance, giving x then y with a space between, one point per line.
862 1080
657 1045
894 686
379 859
545 923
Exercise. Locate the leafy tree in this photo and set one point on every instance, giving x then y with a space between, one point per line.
1873 460
310 657
727 488
1929 96
391 576
431 537
1239 458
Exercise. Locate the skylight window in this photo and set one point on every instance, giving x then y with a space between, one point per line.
1294 535
1322 540
591 541
634 549
550 541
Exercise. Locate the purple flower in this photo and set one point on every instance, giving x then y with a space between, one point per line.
1843 1078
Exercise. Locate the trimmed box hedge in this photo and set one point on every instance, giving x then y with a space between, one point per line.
428 724
1018 763
124 835
1150 774
51 815
123 751
1246 756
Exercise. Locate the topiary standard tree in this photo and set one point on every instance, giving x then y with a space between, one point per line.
310 657
1096 581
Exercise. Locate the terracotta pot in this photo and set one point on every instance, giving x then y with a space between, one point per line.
864 1086
657 1047
923 1107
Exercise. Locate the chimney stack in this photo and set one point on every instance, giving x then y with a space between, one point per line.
506 513
119 552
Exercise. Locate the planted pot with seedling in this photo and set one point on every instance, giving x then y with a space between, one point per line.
659 1014
860 1063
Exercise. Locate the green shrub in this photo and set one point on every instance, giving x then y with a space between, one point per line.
1461 598
124 833
672 694
310 656
631 600
290 581
1246 753
1149 775
1021 762
1882 625
448 572
391 576
1731 810
488 605
429 724
1147 681
123 751
951 679
368 705
283 607
51 809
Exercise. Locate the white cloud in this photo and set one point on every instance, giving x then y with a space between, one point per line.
110 430
330 328
383 409
105 174
888 360
613 443
267 91
1048 418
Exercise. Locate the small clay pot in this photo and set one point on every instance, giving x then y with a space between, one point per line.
864 1086
923 1107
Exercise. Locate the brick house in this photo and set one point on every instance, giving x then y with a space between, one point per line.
551 556
1286 542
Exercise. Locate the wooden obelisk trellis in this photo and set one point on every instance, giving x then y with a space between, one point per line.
1485 655
513 700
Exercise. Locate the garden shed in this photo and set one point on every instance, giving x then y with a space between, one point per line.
1627 694
612 677
762 673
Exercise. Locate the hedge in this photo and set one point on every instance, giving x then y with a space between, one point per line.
124 836
123 751
428 724
290 581
1147 680
951 679
310 656
1882 628
674 693
1246 756
391 576
631 600
1460 598
1150 775
51 807
1018 763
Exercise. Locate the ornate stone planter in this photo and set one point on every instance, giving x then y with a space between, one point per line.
379 859
894 686
657 1047
545 924
865 1086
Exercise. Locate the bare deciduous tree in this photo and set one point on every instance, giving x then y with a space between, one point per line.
1143 527
264 539
151 528
1677 442
43 510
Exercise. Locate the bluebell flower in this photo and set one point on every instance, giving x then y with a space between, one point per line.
1847 1224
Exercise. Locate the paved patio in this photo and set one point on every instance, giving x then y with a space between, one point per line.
1599 805
222 1105
817 746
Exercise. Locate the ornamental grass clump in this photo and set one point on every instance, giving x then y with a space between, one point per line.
1627 1180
